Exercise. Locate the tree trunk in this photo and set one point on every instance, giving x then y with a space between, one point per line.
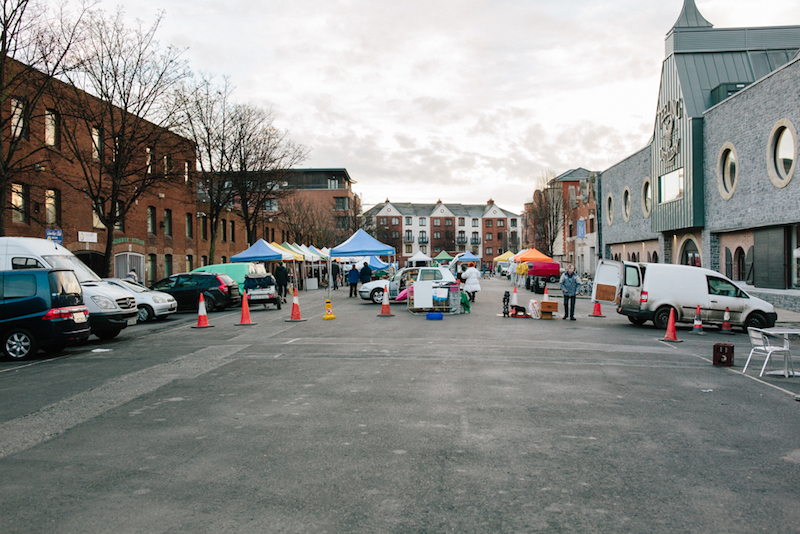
108 260
212 244
3 199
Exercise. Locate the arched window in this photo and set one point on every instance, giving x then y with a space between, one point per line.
739 272
690 254
649 258
655 257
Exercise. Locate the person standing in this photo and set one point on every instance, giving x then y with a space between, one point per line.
366 274
352 277
335 274
569 288
282 279
471 283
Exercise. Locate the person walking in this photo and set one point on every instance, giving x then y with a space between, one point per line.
569 288
335 273
471 283
352 277
281 280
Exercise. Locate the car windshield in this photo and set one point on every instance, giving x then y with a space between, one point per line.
82 271
132 286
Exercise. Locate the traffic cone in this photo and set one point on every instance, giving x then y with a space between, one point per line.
385 310
328 310
514 297
202 316
726 323
295 318
546 294
596 312
670 335
698 324
245 312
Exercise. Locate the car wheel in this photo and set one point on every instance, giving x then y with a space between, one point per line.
661 317
278 304
377 296
754 320
638 321
146 313
19 344
210 304
108 334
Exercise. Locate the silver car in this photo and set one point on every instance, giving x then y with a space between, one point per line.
152 304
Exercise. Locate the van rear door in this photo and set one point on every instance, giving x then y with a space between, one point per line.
631 287
607 281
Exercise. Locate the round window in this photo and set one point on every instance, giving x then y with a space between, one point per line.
610 209
647 198
782 153
626 204
727 171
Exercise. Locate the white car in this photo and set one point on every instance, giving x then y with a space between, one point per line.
401 280
151 304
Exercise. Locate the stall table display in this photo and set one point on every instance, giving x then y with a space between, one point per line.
431 296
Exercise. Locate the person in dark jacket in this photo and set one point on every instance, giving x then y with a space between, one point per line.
335 274
352 277
569 288
366 273
281 280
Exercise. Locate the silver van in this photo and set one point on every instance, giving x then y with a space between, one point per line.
648 291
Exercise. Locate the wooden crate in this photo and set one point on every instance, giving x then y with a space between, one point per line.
548 308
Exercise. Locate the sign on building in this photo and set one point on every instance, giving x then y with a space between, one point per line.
54 234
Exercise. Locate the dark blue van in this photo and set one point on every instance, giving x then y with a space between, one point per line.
40 308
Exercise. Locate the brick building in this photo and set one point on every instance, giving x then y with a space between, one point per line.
717 184
485 230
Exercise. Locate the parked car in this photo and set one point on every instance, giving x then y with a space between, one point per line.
41 308
648 291
262 289
402 279
219 290
237 271
110 308
151 304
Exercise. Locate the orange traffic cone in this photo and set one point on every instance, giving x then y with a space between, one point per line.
385 310
295 318
726 323
202 316
514 297
596 312
245 312
670 335
698 324
546 294
328 310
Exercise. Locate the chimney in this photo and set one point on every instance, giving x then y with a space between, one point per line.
387 200
490 203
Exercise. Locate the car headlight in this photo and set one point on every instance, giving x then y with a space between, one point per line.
104 303
159 300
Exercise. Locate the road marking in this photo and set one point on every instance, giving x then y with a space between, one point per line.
17 368
292 341
45 424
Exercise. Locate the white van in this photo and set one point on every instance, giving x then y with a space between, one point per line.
110 308
648 291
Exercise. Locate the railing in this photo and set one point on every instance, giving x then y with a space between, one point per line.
422 240
475 241
461 240
408 239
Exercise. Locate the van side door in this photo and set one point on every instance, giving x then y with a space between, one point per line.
631 287
723 294
607 281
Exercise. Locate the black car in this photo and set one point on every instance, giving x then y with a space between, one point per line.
219 290
41 308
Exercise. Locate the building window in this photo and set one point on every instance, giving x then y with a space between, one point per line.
224 231
437 235
489 223
382 221
670 186
96 217
591 225
52 206
224 259
151 219
513 223
782 153
19 119
168 222
475 223
185 171
152 267
333 183
422 221
409 249
97 144
395 234
409 235
189 225
437 222
203 261
189 263
489 236
167 264
342 203
52 129
204 228
626 204
501 223
408 220
19 203
148 152
120 222
489 251
461 221
167 165
610 209
726 171
271 205
395 221
690 255
233 232
437 248
647 198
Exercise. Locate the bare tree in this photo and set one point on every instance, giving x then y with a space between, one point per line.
548 209
207 113
36 41
298 215
262 158
117 118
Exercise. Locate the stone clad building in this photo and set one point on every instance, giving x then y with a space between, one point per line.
717 185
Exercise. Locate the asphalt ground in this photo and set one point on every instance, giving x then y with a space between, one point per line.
476 423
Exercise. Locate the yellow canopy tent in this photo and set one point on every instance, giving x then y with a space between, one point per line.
532 255
297 257
506 256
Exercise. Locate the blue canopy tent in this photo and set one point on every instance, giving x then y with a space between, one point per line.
469 256
260 251
358 244
376 264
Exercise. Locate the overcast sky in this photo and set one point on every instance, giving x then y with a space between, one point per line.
458 100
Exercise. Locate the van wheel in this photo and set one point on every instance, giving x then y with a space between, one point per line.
19 344
661 317
552 279
377 296
754 320
638 321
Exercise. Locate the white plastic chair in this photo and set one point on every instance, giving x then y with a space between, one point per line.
760 342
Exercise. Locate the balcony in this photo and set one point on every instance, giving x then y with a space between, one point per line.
475 241
408 239
461 240
422 240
